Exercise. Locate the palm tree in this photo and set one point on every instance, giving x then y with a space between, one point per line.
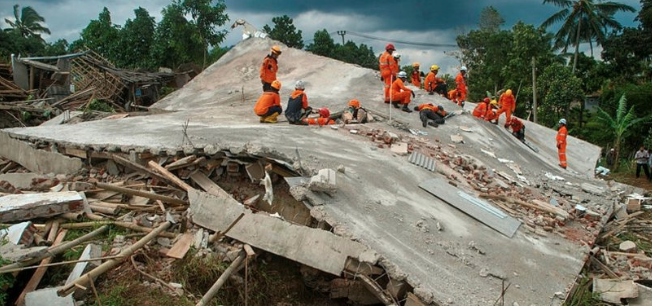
27 22
584 20
620 125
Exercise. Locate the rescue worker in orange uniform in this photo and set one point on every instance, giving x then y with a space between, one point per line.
386 66
416 75
518 128
268 106
397 66
481 109
432 84
455 96
355 112
324 118
400 93
507 105
490 115
297 107
431 115
460 80
561 143
269 68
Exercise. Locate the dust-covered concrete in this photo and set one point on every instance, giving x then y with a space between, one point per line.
378 201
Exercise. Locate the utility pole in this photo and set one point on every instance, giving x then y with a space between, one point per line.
534 89
341 33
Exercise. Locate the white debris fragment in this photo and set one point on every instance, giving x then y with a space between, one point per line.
554 177
505 161
269 192
276 215
488 153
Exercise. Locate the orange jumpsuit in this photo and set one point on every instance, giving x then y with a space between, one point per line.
387 64
266 101
461 86
268 70
318 121
432 107
416 78
490 115
561 146
507 106
454 95
401 93
480 110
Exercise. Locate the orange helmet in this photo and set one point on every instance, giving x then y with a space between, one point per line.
389 47
508 92
415 65
276 85
354 103
324 113
276 49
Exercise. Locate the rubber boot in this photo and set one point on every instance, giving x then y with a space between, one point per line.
396 105
433 124
273 118
431 93
406 109
424 119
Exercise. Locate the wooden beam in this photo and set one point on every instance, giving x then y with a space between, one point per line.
144 194
171 177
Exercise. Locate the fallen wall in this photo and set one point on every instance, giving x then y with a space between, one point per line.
35 160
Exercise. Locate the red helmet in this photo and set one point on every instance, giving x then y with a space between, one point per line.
389 47
487 100
324 113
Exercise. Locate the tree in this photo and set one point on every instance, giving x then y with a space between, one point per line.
27 23
175 39
285 32
206 18
322 44
559 87
101 36
620 125
490 20
584 20
136 41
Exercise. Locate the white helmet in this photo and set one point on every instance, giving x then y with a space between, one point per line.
463 68
402 75
300 85
562 121
396 55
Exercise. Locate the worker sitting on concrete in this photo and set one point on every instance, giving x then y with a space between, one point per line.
491 115
298 108
324 118
269 68
400 93
481 109
518 128
416 75
433 84
354 113
268 106
430 114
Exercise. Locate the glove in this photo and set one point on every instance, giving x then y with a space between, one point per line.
382 80
558 146
413 95
431 93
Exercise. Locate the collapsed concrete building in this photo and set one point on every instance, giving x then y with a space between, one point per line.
398 198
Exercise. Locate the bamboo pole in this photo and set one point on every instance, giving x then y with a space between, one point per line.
144 194
61 263
126 225
106 266
221 280
169 176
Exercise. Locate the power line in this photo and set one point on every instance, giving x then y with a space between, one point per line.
402 41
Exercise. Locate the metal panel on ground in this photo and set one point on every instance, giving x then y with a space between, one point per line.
472 206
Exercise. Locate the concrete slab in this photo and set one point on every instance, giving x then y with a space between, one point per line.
20 180
90 251
62 118
17 207
21 233
48 296
37 160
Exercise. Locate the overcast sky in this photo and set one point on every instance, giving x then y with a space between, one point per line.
412 20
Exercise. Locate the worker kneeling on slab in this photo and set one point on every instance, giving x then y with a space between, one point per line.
431 115
481 109
491 114
518 128
400 93
268 106
324 118
297 108
355 113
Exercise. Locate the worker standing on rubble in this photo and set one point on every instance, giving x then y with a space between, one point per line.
354 112
431 115
561 143
481 109
518 128
386 66
297 107
324 118
416 75
490 115
268 106
460 80
433 84
507 105
400 93
269 67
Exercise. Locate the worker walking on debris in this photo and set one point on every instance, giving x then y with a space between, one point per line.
269 67
297 108
642 157
518 128
561 143
400 93
431 115
460 80
355 113
507 105
481 109
268 106
324 118
387 65
433 84
416 75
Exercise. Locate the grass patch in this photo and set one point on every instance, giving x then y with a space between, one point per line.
584 296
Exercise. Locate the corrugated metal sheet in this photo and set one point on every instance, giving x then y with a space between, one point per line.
422 161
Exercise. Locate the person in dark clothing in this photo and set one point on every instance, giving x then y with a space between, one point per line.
642 157
610 157
297 108
431 115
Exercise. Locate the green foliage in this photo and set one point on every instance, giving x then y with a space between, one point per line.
285 32
27 23
175 41
206 18
490 20
6 281
583 295
559 87
628 53
324 45
136 40
101 36
97 105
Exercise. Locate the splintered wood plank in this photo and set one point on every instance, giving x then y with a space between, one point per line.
208 185
181 247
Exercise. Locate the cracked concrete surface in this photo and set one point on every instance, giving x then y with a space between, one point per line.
378 201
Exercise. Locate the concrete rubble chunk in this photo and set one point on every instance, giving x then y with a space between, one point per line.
21 233
633 205
20 180
613 290
325 180
16 207
91 251
400 148
48 296
354 290
644 297
628 246
15 253
592 189
35 160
